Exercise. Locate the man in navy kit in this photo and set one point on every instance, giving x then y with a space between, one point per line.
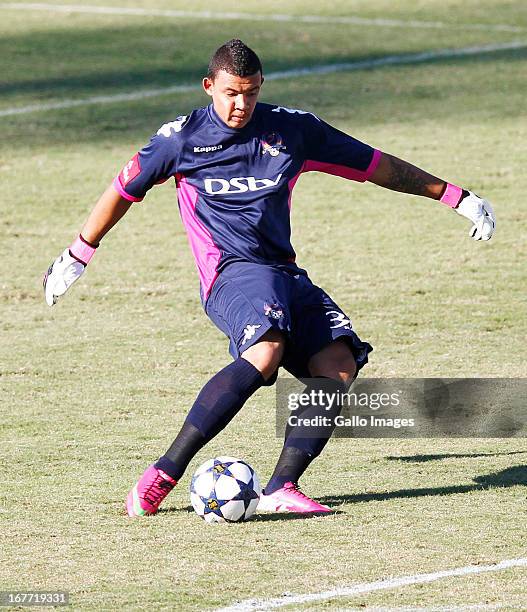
235 163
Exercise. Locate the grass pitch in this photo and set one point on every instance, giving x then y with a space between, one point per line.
95 388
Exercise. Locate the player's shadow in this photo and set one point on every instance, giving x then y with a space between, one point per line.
291 516
176 509
261 518
510 477
516 475
439 457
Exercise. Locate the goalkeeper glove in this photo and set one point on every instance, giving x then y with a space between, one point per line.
480 212
474 208
67 268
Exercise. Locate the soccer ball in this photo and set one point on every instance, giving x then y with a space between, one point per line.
225 489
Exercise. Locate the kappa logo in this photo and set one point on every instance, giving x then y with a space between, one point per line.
174 126
249 332
339 319
238 184
208 149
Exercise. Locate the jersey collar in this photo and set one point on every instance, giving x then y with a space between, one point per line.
214 117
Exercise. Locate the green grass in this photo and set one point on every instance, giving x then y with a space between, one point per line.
95 388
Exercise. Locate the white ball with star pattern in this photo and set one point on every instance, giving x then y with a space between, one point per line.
225 490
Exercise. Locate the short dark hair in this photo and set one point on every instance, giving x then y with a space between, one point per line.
236 58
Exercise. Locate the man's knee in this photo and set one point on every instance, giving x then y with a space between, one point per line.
267 353
334 361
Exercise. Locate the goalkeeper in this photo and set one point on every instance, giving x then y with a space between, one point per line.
235 163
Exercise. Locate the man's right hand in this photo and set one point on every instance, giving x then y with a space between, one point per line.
66 269
62 273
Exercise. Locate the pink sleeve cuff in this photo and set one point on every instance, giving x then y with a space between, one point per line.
122 192
452 195
346 172
82 250
373 164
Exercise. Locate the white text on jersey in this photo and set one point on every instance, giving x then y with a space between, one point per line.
208 149
238 184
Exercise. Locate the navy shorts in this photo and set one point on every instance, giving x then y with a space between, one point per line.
248 299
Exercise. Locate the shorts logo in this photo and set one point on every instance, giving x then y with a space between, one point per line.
339 319
273 310
130 171
249 332
272 143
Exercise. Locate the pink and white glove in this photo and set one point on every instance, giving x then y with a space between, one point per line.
67 268
474 208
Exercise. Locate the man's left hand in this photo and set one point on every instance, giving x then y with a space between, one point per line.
480 212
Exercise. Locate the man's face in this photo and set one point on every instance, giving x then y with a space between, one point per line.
234 97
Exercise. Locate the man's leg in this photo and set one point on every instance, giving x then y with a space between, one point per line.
217 403
333 370
221 399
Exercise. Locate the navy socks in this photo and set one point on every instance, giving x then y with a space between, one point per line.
187 443
222 398
304 443
292 463
217 403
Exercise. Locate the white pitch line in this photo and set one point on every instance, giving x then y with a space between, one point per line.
236 16
255 605
448 608
109 99
388 60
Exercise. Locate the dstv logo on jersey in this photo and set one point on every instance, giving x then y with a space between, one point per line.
239 184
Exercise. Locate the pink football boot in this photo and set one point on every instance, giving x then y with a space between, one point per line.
151 489
290 499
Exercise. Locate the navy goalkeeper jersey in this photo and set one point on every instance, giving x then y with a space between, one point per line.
234 186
